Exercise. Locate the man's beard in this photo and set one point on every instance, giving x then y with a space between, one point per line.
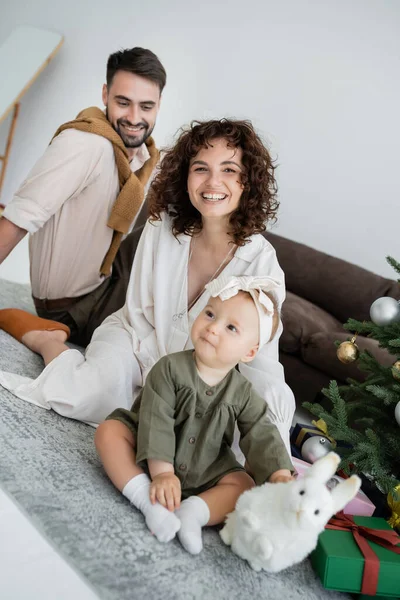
132 141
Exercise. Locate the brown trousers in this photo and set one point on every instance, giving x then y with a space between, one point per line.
84 316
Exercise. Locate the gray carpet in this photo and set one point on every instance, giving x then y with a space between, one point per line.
48 464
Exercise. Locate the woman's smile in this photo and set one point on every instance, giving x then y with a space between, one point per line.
211 197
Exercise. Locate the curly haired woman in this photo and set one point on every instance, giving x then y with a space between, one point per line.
210 201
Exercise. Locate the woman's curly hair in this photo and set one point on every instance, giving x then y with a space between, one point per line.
258 203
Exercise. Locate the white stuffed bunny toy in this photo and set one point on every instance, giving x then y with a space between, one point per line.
277 525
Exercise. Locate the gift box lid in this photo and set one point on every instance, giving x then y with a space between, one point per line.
339 563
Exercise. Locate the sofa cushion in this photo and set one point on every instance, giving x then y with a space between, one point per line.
320 352
301 319
305 381
343 289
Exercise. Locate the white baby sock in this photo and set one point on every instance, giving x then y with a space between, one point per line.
193 515
161 522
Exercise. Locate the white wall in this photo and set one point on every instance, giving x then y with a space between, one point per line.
318 78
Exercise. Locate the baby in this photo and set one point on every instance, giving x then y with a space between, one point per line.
171 455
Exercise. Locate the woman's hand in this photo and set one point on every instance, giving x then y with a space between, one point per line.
281 476
166 489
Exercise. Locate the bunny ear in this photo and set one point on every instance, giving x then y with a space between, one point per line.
344 492
323 469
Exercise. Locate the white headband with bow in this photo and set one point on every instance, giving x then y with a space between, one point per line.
227 286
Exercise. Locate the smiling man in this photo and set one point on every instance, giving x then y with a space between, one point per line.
83 198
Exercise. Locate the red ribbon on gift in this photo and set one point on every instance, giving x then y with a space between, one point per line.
386 538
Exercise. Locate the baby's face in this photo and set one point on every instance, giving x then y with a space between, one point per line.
226 332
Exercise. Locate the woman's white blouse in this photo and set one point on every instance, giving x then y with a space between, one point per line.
157 298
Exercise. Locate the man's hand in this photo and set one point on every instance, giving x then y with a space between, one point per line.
281 476
166 489
10 235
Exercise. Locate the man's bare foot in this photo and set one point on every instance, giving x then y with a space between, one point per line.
38 340
21 324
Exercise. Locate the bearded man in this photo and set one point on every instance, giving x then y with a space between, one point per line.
83 201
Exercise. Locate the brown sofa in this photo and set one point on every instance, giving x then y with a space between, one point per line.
322 293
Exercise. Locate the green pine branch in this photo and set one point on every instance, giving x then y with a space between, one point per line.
368 364
385 394
393 263
374 439
393 444
360 416
384 335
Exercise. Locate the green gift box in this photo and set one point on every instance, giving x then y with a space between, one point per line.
341 565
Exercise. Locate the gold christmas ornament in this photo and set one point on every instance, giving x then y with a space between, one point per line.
393 500
396 370
348 352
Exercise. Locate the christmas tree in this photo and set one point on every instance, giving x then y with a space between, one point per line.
365 416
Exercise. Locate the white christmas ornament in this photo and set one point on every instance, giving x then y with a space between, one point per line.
397 413
385 311
314 448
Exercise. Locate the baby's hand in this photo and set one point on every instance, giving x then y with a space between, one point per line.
281 476
166 489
